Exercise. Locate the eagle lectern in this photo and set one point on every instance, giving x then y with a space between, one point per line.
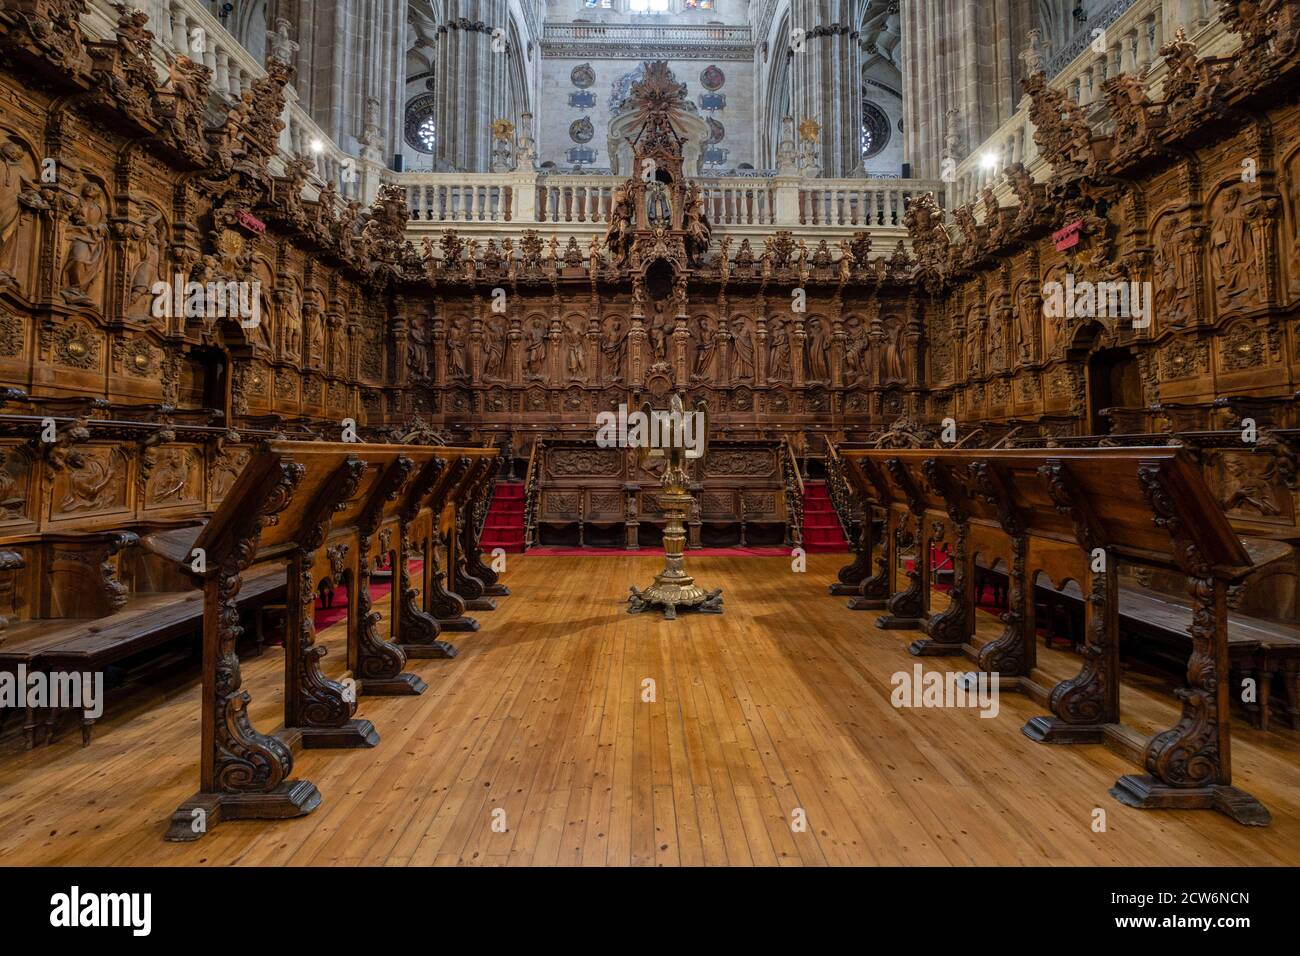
673 587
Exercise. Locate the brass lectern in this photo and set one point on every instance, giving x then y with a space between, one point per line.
673 587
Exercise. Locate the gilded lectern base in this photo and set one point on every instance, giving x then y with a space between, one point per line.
673 587
670 597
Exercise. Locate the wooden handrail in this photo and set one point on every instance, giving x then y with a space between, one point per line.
530 496
794 464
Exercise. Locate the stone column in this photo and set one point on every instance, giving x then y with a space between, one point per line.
826 79
473 81
350 50
960 55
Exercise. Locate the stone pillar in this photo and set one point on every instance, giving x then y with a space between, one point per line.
473 81
825 79
960 55
350 51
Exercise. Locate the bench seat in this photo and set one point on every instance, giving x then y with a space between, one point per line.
147 621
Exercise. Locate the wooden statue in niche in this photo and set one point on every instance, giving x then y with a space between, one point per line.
87 242
290 301
705 369
148 238
456 341
613 346
1028 309
1232 251
819 347
494 363
1172 280
742 350
778 350
20 198
260 334
893 368
313 313
535 351
575 346
856 365
417 349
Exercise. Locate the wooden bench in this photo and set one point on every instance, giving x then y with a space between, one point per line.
1258 650
146 621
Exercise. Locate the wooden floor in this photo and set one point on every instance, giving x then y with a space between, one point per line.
778 706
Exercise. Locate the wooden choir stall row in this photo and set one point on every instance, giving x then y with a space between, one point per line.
322 509
1071 514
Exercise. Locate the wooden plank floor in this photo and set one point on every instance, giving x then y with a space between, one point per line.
778 707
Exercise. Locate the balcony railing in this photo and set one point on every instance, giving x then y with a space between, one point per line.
1134 32
646 34
583 202
186 27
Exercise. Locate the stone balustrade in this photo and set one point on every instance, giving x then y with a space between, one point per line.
186 27
750 206
1132 34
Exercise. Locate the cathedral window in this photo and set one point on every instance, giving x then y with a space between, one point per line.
420 127
875 130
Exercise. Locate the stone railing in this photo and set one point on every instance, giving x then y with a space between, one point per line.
186 27
656 35
1130 43
742 205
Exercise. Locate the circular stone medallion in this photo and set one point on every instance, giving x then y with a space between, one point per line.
583 76
581 130
712 78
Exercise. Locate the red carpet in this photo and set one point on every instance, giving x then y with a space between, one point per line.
821 526
338 609
504 527
553 552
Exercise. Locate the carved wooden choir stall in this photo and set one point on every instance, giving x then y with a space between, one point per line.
294 503
1070 514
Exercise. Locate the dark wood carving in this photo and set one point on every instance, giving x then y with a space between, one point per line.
377 663
244 773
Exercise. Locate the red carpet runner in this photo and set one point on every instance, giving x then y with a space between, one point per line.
504 527
821 528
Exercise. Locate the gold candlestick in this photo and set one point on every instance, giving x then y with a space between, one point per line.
673 587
